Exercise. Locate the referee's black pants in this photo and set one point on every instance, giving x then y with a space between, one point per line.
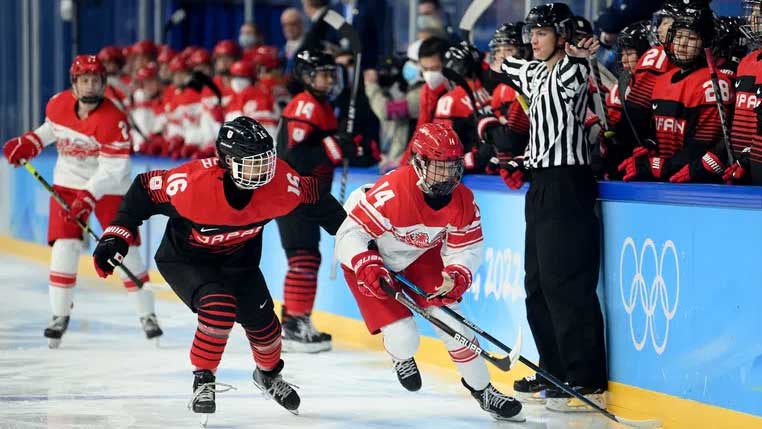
561 264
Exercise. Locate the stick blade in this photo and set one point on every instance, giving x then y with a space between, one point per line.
472 14
515 353
338 23
646 424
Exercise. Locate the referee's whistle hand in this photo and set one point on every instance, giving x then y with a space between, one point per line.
586 48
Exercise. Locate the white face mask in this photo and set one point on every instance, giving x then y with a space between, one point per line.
433 78
238 84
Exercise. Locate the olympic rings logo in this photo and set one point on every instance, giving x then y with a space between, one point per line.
650 296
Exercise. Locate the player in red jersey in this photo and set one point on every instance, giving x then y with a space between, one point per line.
91 174
309 142
421 221
210 252
687 123
748 166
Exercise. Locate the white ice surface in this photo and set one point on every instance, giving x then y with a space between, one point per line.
106 375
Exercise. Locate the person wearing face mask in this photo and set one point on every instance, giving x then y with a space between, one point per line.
249 37
307 140
431 61
91 174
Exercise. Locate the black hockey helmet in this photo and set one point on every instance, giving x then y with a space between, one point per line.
635 36
582 30
507 34
557 16
752 25
678 49
247 151
306 65
463 58
672 9
731 42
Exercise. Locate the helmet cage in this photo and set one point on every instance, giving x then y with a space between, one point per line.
251 172
438 177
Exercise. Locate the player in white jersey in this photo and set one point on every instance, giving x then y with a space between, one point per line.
91 174
421 221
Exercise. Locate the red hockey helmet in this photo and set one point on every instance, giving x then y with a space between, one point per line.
226 47
149 71
188 50
85 64
144 47
177 64
437 158
242 68
165 54
198 57
111 54
266 56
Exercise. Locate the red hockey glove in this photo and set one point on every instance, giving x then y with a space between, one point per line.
709 169
456 279
25 147
642 167
81 207
334 148
369 269
496 162
512 172
111 249
737 172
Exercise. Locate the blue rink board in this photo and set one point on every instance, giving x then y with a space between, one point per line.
680 284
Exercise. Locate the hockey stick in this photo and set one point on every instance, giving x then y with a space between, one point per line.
599 95
338 23
470 16
504 364
622 84
718 99
558 383
85 227
514 352
175 19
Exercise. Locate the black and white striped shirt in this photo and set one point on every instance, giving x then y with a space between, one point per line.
557 109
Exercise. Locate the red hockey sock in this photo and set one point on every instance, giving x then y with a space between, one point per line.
301 282
216 315
265 344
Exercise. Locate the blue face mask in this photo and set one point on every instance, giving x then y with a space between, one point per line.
410 72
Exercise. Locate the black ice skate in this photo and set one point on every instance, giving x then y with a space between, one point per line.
530 388
55 330
300 336
408 374
151 326
502 407
558 400
203 392
273 386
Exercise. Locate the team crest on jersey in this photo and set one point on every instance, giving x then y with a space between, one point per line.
78 148
420 239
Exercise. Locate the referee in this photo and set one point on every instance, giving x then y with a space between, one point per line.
562 230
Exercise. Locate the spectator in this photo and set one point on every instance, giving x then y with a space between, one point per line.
433 21
249 37
292 22
431 59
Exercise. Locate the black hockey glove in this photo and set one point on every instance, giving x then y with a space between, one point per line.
111 249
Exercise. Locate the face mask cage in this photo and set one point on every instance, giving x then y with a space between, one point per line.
253 171
438 178
684 47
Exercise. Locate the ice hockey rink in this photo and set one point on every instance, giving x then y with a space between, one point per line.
106 375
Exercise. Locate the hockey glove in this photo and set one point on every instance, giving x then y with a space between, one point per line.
25 147
708 169
737 172
456 279
641 167
81 207
369 269
490 130
111 249
512 172
335 148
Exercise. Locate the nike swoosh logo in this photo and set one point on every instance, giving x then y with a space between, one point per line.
263 305
737 84
208 229
654 106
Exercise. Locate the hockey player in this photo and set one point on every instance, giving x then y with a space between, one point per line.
210 252
117 88
482 134
748 166
267 72
148 111
308 141
419 220
91 174
688 133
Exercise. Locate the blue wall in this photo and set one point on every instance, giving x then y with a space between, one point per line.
680 283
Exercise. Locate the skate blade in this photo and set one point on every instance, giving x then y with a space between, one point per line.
518 418
574 405
534 398
204 420
270 397
289 346
54 343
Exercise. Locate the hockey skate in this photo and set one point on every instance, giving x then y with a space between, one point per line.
151 327
558 400
301 336
530 388
205 388
408 374
274 387
502 407
55 330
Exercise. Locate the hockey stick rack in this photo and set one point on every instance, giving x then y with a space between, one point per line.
85 227
651 423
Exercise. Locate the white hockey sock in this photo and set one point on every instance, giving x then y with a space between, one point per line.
143 301
471 367
401 338
64 258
